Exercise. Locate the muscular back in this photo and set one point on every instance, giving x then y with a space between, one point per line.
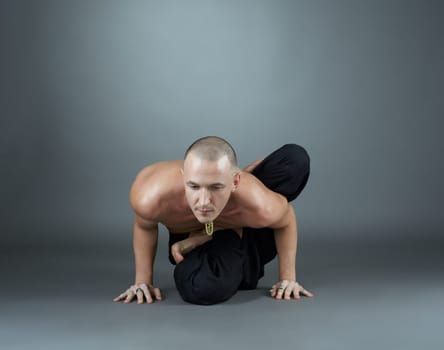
158 196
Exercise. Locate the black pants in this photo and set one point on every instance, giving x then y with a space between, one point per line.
214 271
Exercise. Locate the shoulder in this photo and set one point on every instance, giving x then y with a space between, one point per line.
151 185
269 207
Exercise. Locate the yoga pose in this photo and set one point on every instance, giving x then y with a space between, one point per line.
224 223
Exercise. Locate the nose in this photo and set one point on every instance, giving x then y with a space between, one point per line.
204 197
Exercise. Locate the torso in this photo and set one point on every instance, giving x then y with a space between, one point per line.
171 208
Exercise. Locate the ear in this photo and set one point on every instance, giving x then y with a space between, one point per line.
236 180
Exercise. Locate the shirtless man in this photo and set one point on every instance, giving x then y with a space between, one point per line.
207 193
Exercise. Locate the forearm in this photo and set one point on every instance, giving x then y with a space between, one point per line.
286 246
145 247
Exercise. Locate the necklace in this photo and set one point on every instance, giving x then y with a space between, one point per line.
209 228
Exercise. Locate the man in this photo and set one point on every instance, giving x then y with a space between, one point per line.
225 224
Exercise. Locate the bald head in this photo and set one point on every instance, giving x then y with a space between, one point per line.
210 176
213 148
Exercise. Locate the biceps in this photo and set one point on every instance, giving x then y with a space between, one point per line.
144 224
280 215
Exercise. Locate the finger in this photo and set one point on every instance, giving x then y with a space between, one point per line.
290 289
281 289
280 292
120 297
139 293
157 293
147 293
296 293
129 297
273 290
307 293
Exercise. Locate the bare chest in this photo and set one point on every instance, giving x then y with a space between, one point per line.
178 218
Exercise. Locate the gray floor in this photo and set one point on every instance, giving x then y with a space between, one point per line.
385 294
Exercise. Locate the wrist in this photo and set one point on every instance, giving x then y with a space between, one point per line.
143 282
287 272
141 279
287 277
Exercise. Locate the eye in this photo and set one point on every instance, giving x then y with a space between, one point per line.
193 187
217 187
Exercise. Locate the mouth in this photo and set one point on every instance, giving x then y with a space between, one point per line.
204 211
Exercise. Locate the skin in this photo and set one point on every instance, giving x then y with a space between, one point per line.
183 195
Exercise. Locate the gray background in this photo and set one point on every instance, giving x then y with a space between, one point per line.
92 91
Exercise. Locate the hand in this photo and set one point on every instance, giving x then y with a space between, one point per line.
285 289
142 291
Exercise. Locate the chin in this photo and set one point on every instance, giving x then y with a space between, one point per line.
205 219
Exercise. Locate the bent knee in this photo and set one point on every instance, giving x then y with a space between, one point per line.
293 162
296 157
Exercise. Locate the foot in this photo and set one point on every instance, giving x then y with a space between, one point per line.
250 167
181 248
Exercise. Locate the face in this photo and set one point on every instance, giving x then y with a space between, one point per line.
208 186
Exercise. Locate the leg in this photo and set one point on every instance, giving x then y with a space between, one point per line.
183 247
175 237
212 272
215 270
284 171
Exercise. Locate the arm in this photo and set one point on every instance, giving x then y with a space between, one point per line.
145 237
286 245
286 235
273 210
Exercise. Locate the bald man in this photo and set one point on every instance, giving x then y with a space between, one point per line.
224 223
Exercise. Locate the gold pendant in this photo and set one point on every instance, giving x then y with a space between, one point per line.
209 228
